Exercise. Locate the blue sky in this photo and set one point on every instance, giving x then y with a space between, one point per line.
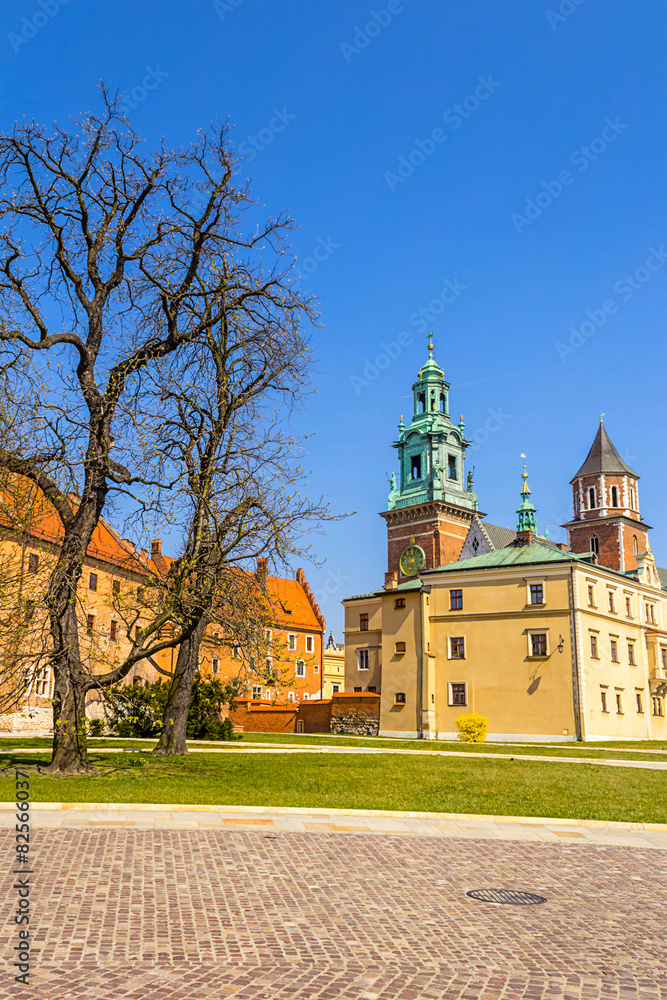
539 199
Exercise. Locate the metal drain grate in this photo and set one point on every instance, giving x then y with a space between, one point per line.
506 896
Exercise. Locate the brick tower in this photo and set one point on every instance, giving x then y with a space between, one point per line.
606 508
429 515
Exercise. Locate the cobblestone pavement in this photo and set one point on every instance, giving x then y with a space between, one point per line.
146 914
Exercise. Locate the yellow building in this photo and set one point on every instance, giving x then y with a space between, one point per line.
334 667
551 642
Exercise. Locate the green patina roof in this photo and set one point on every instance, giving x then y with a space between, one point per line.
513 555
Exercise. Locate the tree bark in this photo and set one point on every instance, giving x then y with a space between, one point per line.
70 750
175 720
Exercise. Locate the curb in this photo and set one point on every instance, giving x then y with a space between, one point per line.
320 811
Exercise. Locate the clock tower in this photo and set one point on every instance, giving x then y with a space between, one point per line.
430 508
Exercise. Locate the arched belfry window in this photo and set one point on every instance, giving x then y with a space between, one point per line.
595 545
591 498
433 400
421 403
442 403
635 544
614 496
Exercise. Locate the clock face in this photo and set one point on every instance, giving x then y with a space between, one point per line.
412 560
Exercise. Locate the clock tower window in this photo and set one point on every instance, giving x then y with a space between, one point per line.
416 467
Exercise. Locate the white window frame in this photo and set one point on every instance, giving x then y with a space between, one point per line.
300 668
535 581
215 665
335 688
538 631
450 694
253 695
449 647
649 608
364 655
290 695
310 643
291 641
268 634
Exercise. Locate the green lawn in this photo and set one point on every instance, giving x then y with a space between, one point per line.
607 751
422 783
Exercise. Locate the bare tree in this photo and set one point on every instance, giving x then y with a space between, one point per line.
116 262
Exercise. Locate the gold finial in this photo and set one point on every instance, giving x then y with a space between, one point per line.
602 418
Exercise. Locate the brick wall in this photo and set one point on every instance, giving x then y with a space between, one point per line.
254 717
315 716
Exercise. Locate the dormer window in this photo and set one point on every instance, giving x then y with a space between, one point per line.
416 467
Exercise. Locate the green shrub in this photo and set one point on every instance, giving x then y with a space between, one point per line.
138 711
96 727
472 727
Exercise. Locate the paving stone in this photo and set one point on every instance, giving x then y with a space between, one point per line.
198 913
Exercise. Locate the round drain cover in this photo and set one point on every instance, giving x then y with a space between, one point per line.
506 896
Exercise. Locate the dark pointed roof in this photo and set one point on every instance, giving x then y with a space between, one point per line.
603 458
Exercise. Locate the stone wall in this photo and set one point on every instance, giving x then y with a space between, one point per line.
29 720
355 714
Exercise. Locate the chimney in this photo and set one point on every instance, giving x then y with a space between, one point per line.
524 537
157 557
261 571
391 581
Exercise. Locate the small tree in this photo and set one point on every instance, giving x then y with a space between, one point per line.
472 727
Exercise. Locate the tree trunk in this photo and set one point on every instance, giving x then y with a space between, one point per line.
175 720
70 751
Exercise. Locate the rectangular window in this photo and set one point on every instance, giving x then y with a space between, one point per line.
457 694
92 581
451 467
631 654
613 643
416 467
363 659
538 644
591 595
216 637
663 656
335 688
256 692
300 668
310 643
603 700
113 631
455 600
371 689
457 647
640 704
619 704
399 602
594 647
612 602
268 665
363 623
628 607
33 562
268 634
115 587
399 698
90 624
650 613
291 642
357 690
656 705
536 593
215 665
